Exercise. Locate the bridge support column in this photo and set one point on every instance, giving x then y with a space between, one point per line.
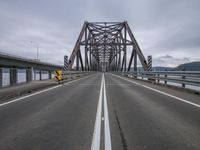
50 74
40 74
13 76
34 73
1 77
29 74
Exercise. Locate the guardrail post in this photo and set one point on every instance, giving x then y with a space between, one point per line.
135 74
158 78
183 84
165 78
13 76
1 77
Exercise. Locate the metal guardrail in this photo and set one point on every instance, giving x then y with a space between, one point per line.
181 77
65 75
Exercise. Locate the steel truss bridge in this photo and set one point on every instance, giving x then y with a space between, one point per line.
104 46
93 110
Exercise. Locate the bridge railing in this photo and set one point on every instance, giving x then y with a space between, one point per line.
183 78
69 75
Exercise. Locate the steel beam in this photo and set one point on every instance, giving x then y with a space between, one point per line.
135 60
104 43
131 59
137 48
81 60
75 50
77 61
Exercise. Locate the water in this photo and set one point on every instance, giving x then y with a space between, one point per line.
21 76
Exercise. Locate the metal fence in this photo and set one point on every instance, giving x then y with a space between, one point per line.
182 78
68 75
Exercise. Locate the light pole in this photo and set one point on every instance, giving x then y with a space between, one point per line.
37 46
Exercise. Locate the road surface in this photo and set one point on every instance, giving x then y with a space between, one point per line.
100 112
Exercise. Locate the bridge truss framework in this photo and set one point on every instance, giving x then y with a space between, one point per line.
104 47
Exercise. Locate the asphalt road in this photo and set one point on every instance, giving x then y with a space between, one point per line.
150 120
99 112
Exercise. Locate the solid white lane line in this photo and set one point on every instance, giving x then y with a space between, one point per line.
21 98
97 127
36 93
108 145
161 92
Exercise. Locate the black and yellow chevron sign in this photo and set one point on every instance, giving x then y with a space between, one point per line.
57 75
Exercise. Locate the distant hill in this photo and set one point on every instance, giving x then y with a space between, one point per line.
193 66
158 68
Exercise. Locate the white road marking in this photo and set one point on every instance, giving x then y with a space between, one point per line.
119 84
161 92
97 127
36 93
87 84
106 122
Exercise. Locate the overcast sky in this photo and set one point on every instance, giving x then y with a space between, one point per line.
169 30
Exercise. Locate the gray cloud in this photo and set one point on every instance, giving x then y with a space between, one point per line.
162 28
169 61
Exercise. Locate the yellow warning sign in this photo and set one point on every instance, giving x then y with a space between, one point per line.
57 75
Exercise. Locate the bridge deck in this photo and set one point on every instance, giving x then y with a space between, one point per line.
64 117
